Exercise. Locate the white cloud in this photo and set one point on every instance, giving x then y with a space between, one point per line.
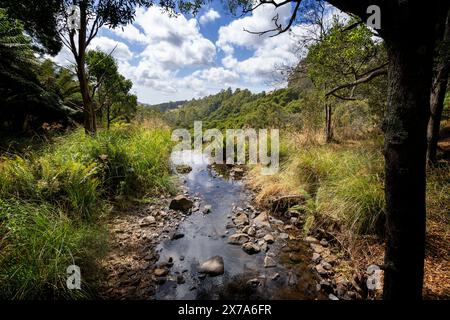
119 50
131 33
269 53
210 16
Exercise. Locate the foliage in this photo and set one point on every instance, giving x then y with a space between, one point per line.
112 94
51 202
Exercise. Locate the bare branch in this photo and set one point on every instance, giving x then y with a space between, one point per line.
375 73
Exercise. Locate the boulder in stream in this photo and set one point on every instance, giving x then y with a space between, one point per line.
181 203
213 266
238 238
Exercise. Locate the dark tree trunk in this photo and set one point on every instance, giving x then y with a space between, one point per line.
408 28
328 124
438 89
90 123
410 47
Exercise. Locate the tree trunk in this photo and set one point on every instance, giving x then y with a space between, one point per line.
438 89
410 47
328 127
90 123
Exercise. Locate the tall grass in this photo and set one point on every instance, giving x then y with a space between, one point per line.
51 202
345 184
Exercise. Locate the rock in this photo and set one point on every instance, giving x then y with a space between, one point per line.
160 272
253 283
262 220
269 238
238 238
240 219
316 258
181 203
207 209
320 270
326 265
147 221
269 262
341 290
183 169
324 242
251 231
284 236
180 279
288 227
251 248
263 245
177 235
311 240
275 276
213 266
332 297
317 248
282 204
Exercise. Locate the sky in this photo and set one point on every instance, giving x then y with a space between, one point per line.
185 57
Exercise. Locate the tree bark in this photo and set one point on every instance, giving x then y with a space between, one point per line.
410 47
438 90
90 123
328 126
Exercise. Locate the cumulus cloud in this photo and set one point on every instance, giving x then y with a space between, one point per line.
210 16
269 53
117 49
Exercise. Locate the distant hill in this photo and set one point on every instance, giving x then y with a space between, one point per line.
166 106
239 108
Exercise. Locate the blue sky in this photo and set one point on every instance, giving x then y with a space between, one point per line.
189 57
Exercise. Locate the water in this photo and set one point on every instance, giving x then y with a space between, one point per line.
205 236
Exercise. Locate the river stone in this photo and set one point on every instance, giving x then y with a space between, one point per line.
284 236
238 238
161 272
251 231
213 266
177 235
207 209
251 248
262 220
147 221
269 262
181 203
253 283
320 270
316 257
332 297
183 169
240 219
269 238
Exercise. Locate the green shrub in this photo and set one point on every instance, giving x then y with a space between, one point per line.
51 201
38 243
